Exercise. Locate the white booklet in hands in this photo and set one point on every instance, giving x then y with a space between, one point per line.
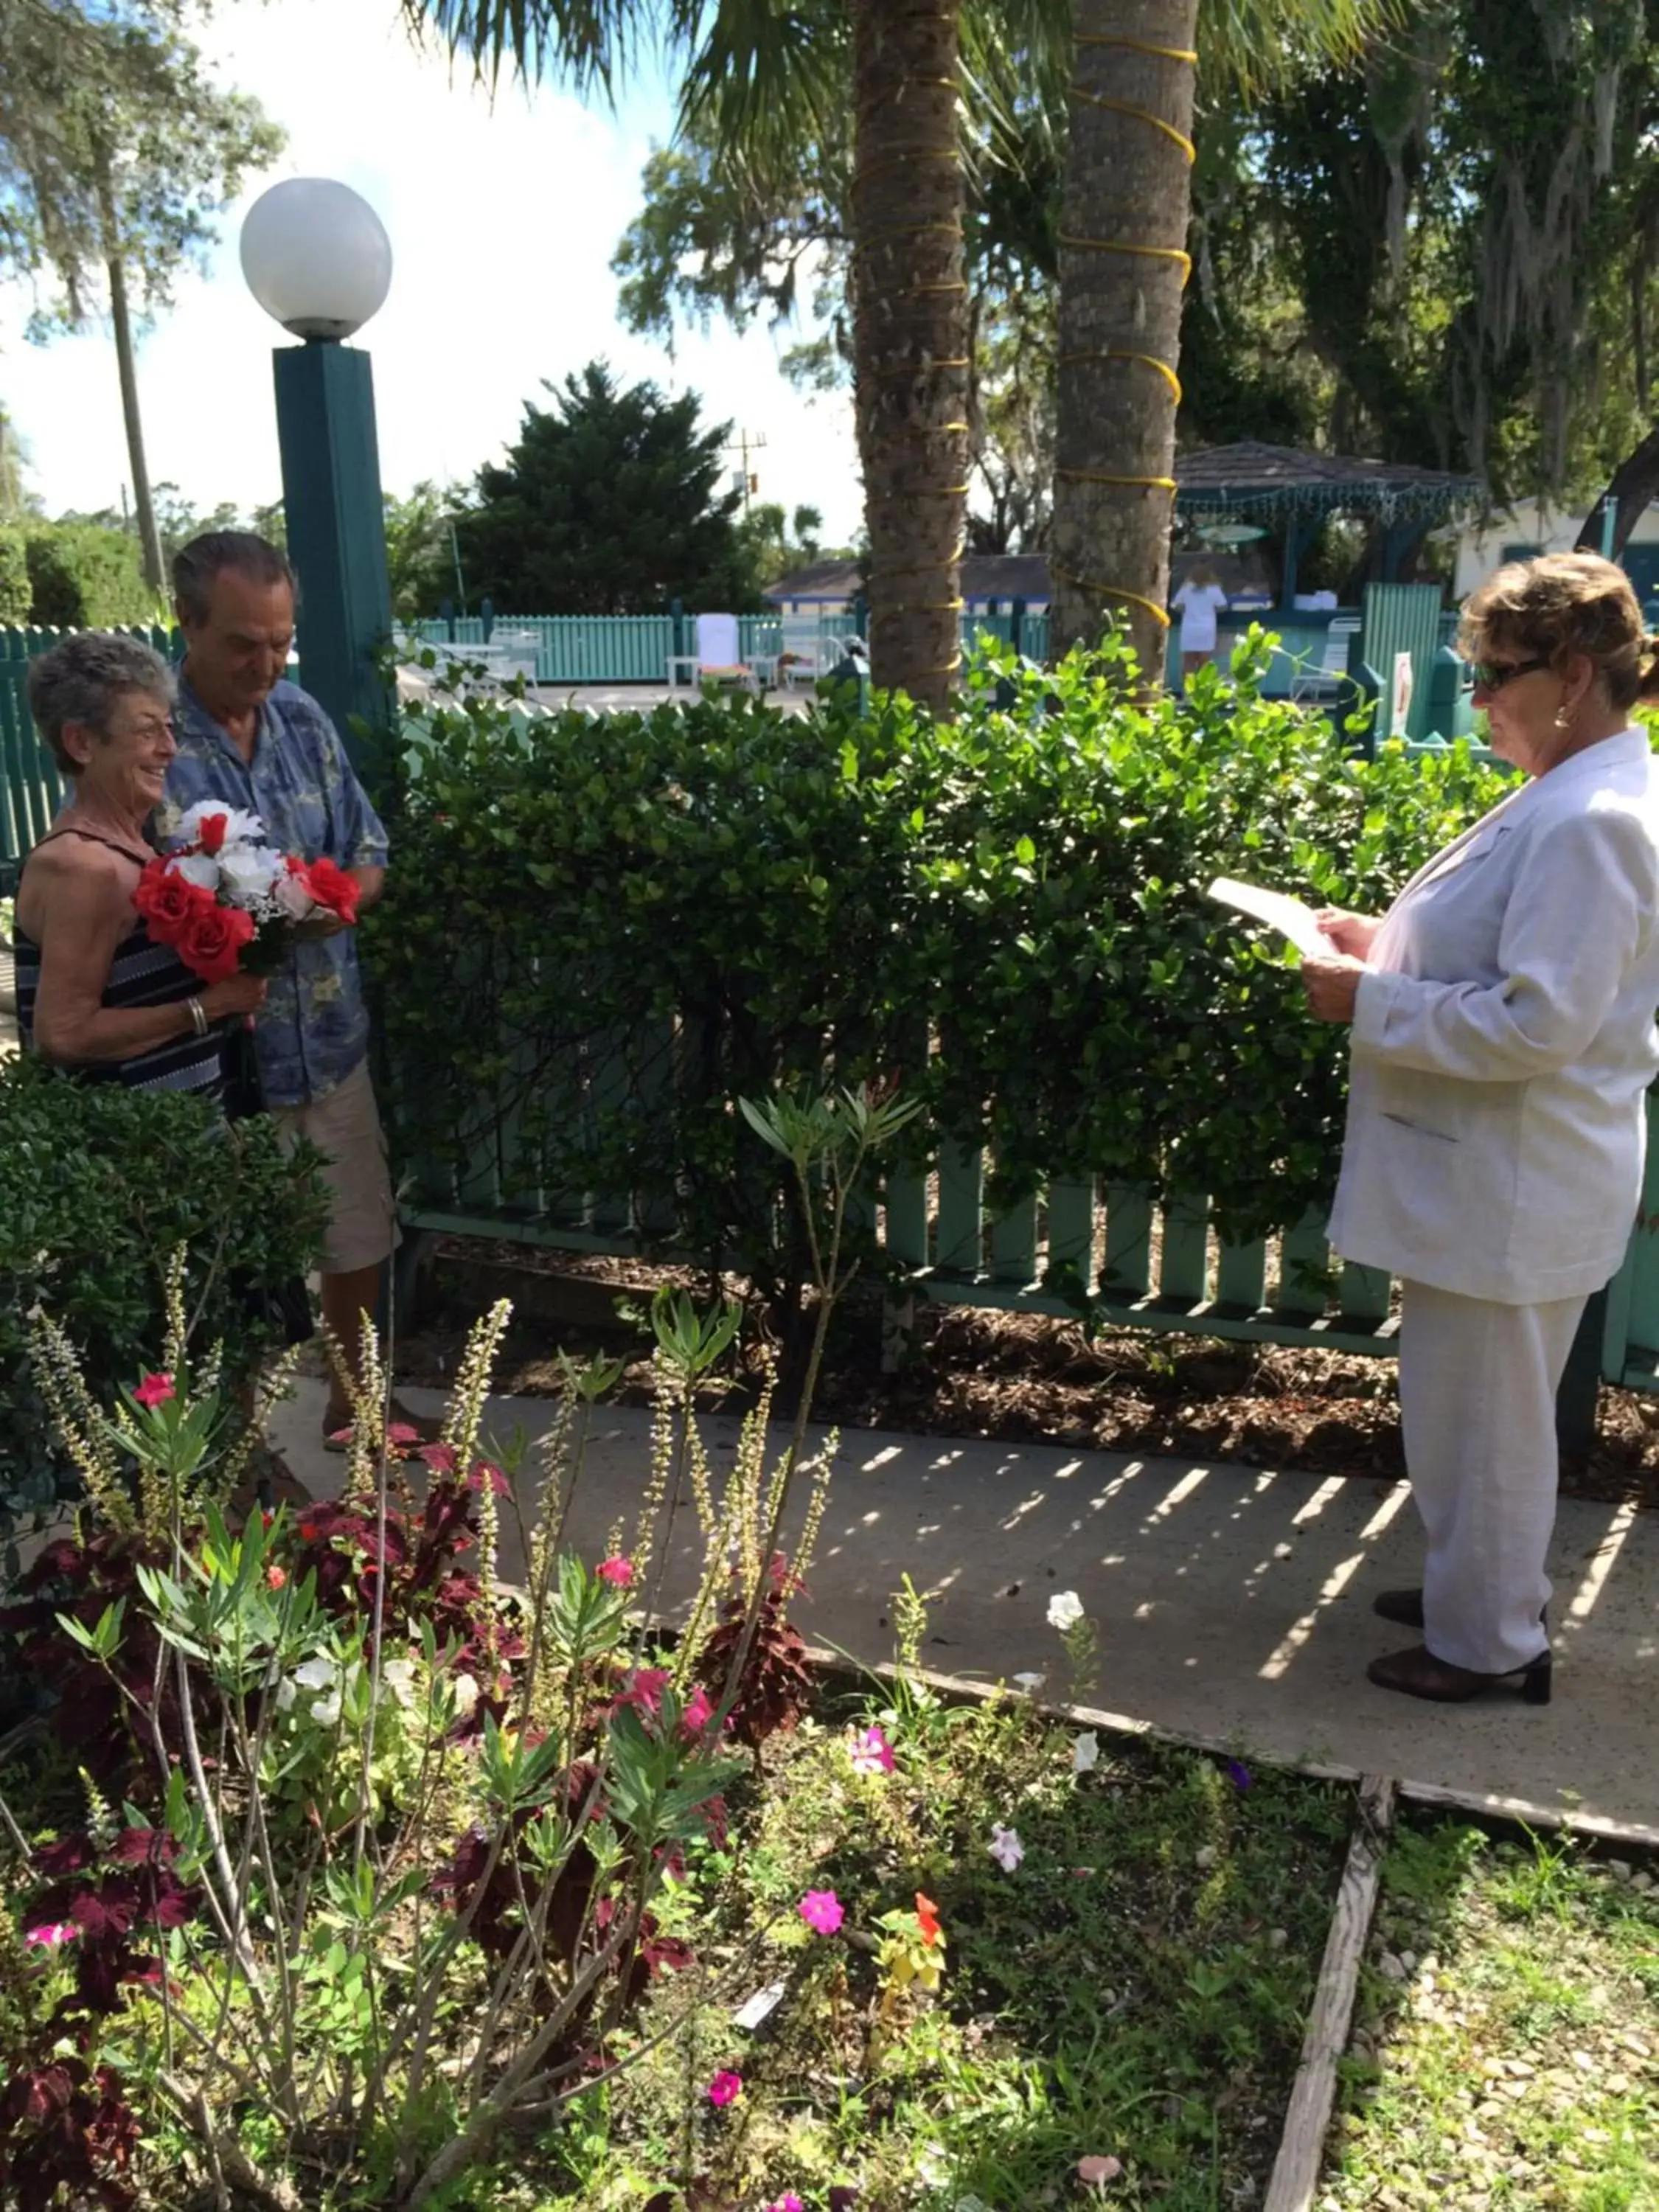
1289 916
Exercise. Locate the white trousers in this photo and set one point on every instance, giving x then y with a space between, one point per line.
1477 1410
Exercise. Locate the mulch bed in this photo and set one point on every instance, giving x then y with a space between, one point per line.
1016 1377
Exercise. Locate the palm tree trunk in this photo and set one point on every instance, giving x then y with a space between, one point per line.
149 537
1122 270
910 336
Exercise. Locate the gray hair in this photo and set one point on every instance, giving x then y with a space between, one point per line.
242 552
81 679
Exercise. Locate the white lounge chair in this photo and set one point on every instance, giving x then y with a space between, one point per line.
716 658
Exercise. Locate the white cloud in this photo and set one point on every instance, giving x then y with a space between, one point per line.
503 221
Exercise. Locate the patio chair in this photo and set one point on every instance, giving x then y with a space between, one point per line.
801 660
1324 680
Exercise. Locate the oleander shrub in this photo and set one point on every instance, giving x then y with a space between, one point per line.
600 931
98 1186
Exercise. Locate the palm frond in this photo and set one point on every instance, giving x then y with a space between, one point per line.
589 45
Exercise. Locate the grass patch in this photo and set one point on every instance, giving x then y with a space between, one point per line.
1135 1989
1507 2054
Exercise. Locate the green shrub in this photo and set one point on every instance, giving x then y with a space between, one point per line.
98 1186
598 933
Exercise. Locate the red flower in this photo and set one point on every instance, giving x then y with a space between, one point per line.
210 832
168 902
331 887
618 1571
276 1576
927 1918
211 942
155 1390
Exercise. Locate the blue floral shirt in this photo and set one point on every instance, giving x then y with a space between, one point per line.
314 1029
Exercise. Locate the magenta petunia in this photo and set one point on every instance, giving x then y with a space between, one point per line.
155 1390
617 1571
726 2088
822 1911
871 1753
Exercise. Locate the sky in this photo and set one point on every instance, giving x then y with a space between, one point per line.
502 223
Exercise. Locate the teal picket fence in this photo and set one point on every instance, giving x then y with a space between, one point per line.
1077 1243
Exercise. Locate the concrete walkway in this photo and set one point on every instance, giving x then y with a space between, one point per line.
1231 1603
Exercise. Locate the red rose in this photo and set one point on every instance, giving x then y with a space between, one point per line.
168 902
210 832
331 887
212 941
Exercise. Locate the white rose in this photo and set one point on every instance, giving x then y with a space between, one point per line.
1065 1610
247 874
198 868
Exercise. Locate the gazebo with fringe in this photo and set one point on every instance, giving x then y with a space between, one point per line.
1290 491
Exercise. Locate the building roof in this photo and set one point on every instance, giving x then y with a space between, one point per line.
984 576
1257 479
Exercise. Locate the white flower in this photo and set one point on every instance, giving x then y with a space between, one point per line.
1030 1683
1005 1848
399 1676
249 873
1065 1610
316 1675
241 828
1085 1753
326 1710
465 1689
286 1694
197 868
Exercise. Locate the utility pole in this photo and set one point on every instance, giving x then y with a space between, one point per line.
747 442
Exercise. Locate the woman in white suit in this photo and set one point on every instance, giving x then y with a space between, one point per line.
1504 1040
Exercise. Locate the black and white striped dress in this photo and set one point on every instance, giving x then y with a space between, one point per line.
141 973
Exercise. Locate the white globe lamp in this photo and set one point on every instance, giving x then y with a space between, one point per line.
316 257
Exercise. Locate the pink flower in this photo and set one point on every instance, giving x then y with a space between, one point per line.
726 2088
618 1572
155 1390
787 2202
54 1931
871 1753
698 1714
822 1911
276 1576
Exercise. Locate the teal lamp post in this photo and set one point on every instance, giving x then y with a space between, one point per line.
317 258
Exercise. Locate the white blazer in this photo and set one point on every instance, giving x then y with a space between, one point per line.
1504 1040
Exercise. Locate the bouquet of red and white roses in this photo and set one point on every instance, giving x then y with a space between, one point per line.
223 897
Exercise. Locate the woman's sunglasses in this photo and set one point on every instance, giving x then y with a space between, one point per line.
1492 675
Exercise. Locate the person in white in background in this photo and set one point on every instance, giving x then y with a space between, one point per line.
1503 1043
1199 601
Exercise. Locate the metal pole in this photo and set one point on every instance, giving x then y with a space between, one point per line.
336 528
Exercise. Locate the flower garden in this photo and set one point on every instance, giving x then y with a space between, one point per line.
339 1873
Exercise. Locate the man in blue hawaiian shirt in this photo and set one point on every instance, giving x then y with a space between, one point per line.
248 737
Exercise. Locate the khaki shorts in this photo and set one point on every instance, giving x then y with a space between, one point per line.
345 1125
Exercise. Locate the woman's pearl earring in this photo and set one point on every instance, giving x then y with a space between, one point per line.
1563 720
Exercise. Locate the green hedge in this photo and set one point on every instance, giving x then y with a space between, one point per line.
98 1186
1006 910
